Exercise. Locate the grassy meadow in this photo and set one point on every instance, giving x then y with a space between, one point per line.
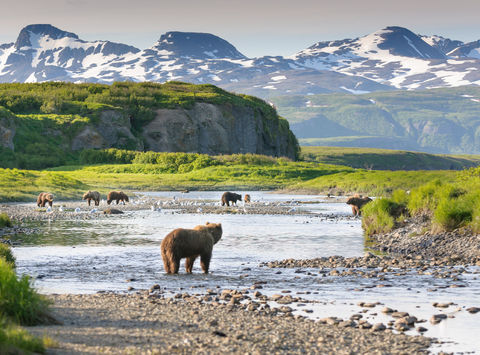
138 171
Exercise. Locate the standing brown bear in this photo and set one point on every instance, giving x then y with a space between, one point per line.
357 202
117 196
190 243
232 197
92 195
43 198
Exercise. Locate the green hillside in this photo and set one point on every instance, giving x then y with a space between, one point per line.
386 159
43 125
434 121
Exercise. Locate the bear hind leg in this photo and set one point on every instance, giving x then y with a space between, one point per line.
189 263
205 261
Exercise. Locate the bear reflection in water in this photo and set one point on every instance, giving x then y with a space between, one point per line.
190 244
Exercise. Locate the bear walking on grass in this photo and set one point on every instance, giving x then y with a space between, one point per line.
357 202
117 196
92 195
232 197
43 198
190 243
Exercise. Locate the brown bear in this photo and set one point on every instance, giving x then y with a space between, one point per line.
357 202
112 211
117 196
92 195
190 243
232 197
246 198
43 198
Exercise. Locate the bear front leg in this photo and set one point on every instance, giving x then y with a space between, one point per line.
205 261
97 202
88 200
189 263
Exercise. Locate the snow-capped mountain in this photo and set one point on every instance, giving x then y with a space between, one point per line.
392 58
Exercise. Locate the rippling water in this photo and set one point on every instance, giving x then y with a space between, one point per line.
88 256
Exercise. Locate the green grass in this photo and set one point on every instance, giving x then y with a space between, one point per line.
386 159
15 340
19 302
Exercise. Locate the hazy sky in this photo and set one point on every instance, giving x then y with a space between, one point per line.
254 27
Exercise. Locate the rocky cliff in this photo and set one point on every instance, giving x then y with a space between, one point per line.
51 128
218 129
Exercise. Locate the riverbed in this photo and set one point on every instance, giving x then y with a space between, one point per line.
122 252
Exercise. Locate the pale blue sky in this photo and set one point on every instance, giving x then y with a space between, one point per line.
255 27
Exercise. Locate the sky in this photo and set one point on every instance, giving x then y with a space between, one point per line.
254 27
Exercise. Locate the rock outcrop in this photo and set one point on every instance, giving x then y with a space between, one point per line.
219 129
7 132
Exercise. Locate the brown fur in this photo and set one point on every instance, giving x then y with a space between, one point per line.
232 197
246 198
190 243
112 211
357 202
92 195
43 198
117 196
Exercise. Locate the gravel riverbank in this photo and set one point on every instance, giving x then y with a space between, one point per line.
145 323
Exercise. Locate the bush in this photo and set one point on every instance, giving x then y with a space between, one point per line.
5 220
6 254
19 302
401 197
379 215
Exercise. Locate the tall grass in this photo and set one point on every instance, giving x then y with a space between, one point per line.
380 214
6 254
19 302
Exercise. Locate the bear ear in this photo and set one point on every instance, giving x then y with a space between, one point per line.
219 225
207 223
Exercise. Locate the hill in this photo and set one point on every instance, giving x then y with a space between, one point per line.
443 121
386 159
48 124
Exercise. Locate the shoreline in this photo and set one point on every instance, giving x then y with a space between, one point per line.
146 322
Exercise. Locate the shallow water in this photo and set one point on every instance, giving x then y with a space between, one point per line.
102 254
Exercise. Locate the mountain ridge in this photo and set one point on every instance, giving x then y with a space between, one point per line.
388 59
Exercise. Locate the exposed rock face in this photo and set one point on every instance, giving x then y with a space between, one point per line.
212 129
113 130
7 132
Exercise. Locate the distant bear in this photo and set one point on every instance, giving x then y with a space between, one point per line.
43 198
246 198
117 196
190 243
232 197
357 202
92 195
112 211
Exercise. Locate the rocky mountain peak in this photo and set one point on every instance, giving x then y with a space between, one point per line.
197 45
403 42
24 37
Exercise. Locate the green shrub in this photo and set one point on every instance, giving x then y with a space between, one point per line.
453 212
19 302
6 254
380 214
15 340
5 220
425 198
